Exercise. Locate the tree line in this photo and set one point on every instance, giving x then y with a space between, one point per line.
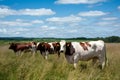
111 39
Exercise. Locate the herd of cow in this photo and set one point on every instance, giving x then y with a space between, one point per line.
74 51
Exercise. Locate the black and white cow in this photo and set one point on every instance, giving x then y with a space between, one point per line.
84 51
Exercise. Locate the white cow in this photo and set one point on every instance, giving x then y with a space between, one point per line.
84 51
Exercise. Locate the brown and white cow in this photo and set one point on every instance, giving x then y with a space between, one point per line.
84 51
23 47
55 46
48 48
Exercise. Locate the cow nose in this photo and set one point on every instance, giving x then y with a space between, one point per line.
61 51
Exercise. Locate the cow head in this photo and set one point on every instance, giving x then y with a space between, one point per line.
57 46
62 45
41 46
44 46
69 49
12 45
34 43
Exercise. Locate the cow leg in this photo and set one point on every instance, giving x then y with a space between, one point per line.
34 50
94 60
43 54
21 53
75 58
75 65
102 62
17 53
58 54
46 57
103 58
33 54
46 54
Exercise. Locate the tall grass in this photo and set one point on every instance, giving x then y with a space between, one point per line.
28 67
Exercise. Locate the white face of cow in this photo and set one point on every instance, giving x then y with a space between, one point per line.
62 44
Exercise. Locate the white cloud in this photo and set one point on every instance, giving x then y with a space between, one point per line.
119 7
19 22
94 5
92 13
68 19
36 12
14 31
72 31
17 33
21 29
108 23
37 22
3 6
78 1
102 23
110 18
3 30
14 23
6 12
31 12
45 27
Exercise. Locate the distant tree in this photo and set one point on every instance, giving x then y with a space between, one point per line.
112 39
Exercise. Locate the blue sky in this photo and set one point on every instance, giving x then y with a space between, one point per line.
59 18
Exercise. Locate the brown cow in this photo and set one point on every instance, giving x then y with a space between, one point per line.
23 47
55 46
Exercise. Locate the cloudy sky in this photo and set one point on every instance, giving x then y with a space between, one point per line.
59 18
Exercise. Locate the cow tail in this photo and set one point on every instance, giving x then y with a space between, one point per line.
106 60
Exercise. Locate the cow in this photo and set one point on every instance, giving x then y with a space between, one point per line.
55 46
84 51
23 47
46 48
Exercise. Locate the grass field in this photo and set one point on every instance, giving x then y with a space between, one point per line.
27 67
